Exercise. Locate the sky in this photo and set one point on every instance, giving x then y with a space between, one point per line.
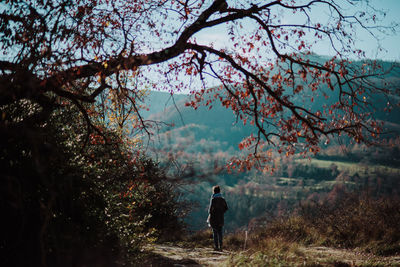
388 42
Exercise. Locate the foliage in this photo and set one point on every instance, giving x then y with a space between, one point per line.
150 198
51 201
63 198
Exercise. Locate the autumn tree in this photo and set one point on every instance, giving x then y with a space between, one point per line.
75 52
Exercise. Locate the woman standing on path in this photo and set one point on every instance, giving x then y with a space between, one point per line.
216 212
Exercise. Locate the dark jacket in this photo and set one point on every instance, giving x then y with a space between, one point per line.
216 210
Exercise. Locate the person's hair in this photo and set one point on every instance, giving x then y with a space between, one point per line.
216 189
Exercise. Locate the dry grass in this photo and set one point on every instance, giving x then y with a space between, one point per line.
202 238
275 251
351 221
351 231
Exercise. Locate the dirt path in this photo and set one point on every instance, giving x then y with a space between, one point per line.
180 256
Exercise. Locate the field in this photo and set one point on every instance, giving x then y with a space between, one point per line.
352 168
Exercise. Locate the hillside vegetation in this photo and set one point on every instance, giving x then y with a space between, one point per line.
203 140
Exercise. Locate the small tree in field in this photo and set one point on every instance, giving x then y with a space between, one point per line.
86 51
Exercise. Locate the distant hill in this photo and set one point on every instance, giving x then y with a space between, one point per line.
215 124
157 102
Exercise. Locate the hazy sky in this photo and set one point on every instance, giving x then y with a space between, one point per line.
388 41
391 42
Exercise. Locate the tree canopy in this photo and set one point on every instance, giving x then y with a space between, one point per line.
58 53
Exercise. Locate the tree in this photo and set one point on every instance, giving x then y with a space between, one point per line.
57 52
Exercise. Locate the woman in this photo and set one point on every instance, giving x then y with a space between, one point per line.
216 212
